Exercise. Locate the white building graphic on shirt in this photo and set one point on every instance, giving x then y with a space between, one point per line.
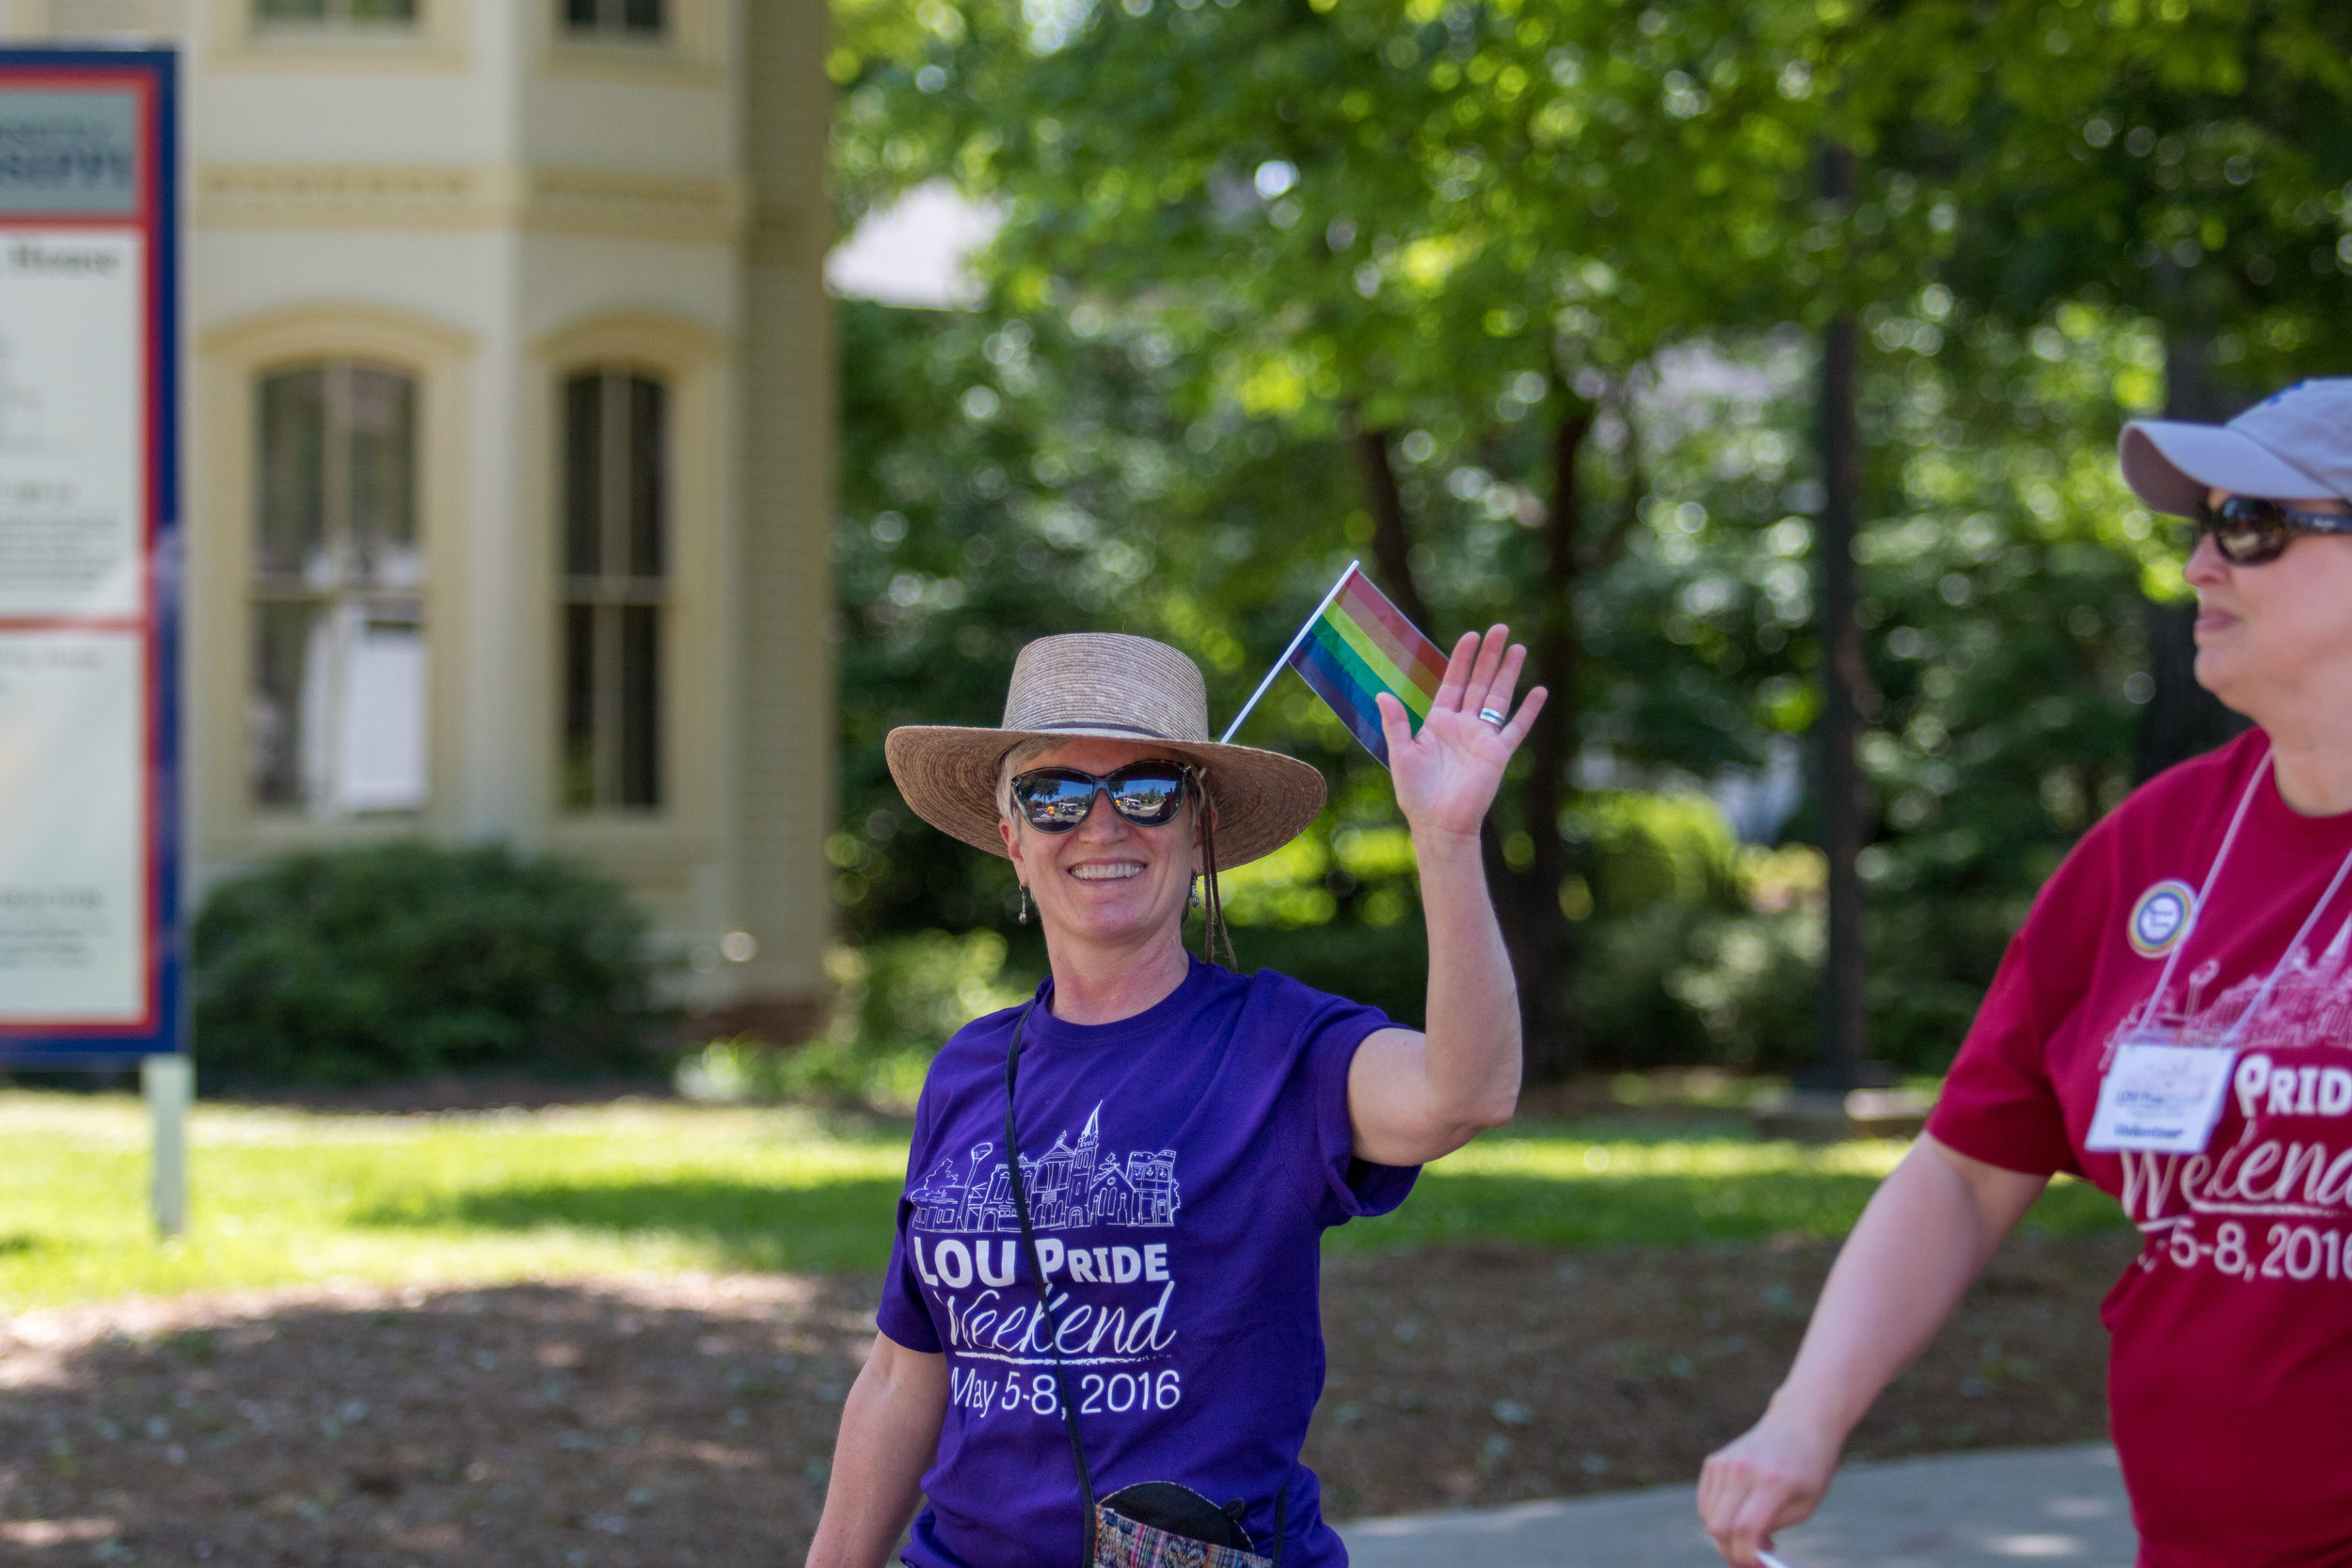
2311 1004
1067 1187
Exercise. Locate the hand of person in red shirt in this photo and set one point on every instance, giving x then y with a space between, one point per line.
1922 1238
1770 1477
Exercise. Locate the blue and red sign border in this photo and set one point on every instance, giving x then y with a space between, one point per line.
153 76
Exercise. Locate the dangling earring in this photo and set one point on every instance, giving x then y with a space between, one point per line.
1196 890
1025 903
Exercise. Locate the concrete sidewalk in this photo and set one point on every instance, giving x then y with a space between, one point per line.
1960 1511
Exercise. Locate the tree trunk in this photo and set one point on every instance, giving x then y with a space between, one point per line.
2182 717
1391 538
1542 938
1541 941
1845 977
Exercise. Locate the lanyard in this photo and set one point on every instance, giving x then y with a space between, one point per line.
2158 1094
2213 874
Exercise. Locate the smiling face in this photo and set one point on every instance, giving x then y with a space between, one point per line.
2273 638
1107 882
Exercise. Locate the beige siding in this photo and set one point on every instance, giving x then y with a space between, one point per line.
489 201
787 697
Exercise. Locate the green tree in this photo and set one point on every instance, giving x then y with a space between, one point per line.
2183 160
1518 301
1007 475
1461 228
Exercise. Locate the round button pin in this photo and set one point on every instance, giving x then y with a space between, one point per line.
2161 918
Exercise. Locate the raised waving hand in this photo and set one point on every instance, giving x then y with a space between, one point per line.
1446 776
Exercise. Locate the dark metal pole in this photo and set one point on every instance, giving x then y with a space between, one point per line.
2182 717
1844 1025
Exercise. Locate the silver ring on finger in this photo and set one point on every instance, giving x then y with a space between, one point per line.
1492 717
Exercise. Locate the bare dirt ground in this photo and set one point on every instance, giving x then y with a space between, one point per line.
1480 1375
665 1421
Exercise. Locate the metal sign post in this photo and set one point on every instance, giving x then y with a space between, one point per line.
90 948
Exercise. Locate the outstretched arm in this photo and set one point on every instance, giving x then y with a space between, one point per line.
889 1436
1927 1232
1413 1096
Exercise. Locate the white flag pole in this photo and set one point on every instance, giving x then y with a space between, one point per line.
1279 664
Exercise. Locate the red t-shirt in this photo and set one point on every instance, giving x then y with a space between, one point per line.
2230 1383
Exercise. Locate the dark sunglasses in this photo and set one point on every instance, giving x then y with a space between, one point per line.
2249 530
1056 800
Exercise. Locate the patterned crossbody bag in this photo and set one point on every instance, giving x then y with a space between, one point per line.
1152 1524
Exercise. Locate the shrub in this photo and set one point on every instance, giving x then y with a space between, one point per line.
1627 1012
914 991
1647 849
1755 981
351 966
1382 966
898 1000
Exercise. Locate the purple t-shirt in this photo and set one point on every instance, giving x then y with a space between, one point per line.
1181 1166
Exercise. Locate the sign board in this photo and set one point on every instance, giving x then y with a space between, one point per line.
91 950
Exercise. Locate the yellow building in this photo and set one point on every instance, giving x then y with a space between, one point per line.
510 445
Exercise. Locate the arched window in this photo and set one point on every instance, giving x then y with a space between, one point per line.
616 575
337 698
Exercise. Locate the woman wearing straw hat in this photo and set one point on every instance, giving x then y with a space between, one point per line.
2174 1024
1100 1340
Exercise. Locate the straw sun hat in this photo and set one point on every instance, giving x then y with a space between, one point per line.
1115 688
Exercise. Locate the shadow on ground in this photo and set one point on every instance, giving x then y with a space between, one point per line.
1477 1374
660 1421
648 1424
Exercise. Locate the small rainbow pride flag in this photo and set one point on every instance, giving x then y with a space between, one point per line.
1354 646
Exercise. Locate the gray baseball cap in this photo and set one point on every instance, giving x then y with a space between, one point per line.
2294 445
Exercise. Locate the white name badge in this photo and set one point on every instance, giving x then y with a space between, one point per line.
2160 1099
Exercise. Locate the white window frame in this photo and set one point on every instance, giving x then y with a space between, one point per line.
698 626
228 826
238 37
334 19
610 26
359 714
689 51
615 589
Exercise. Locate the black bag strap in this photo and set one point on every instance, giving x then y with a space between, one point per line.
1045 1293
1053 1329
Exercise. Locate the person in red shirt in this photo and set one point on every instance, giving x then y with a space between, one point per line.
2173 1024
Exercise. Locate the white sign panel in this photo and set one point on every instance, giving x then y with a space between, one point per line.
72 441
382 725
90 961
73 846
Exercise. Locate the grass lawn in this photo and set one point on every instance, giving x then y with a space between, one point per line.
1621 1182
286 1198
